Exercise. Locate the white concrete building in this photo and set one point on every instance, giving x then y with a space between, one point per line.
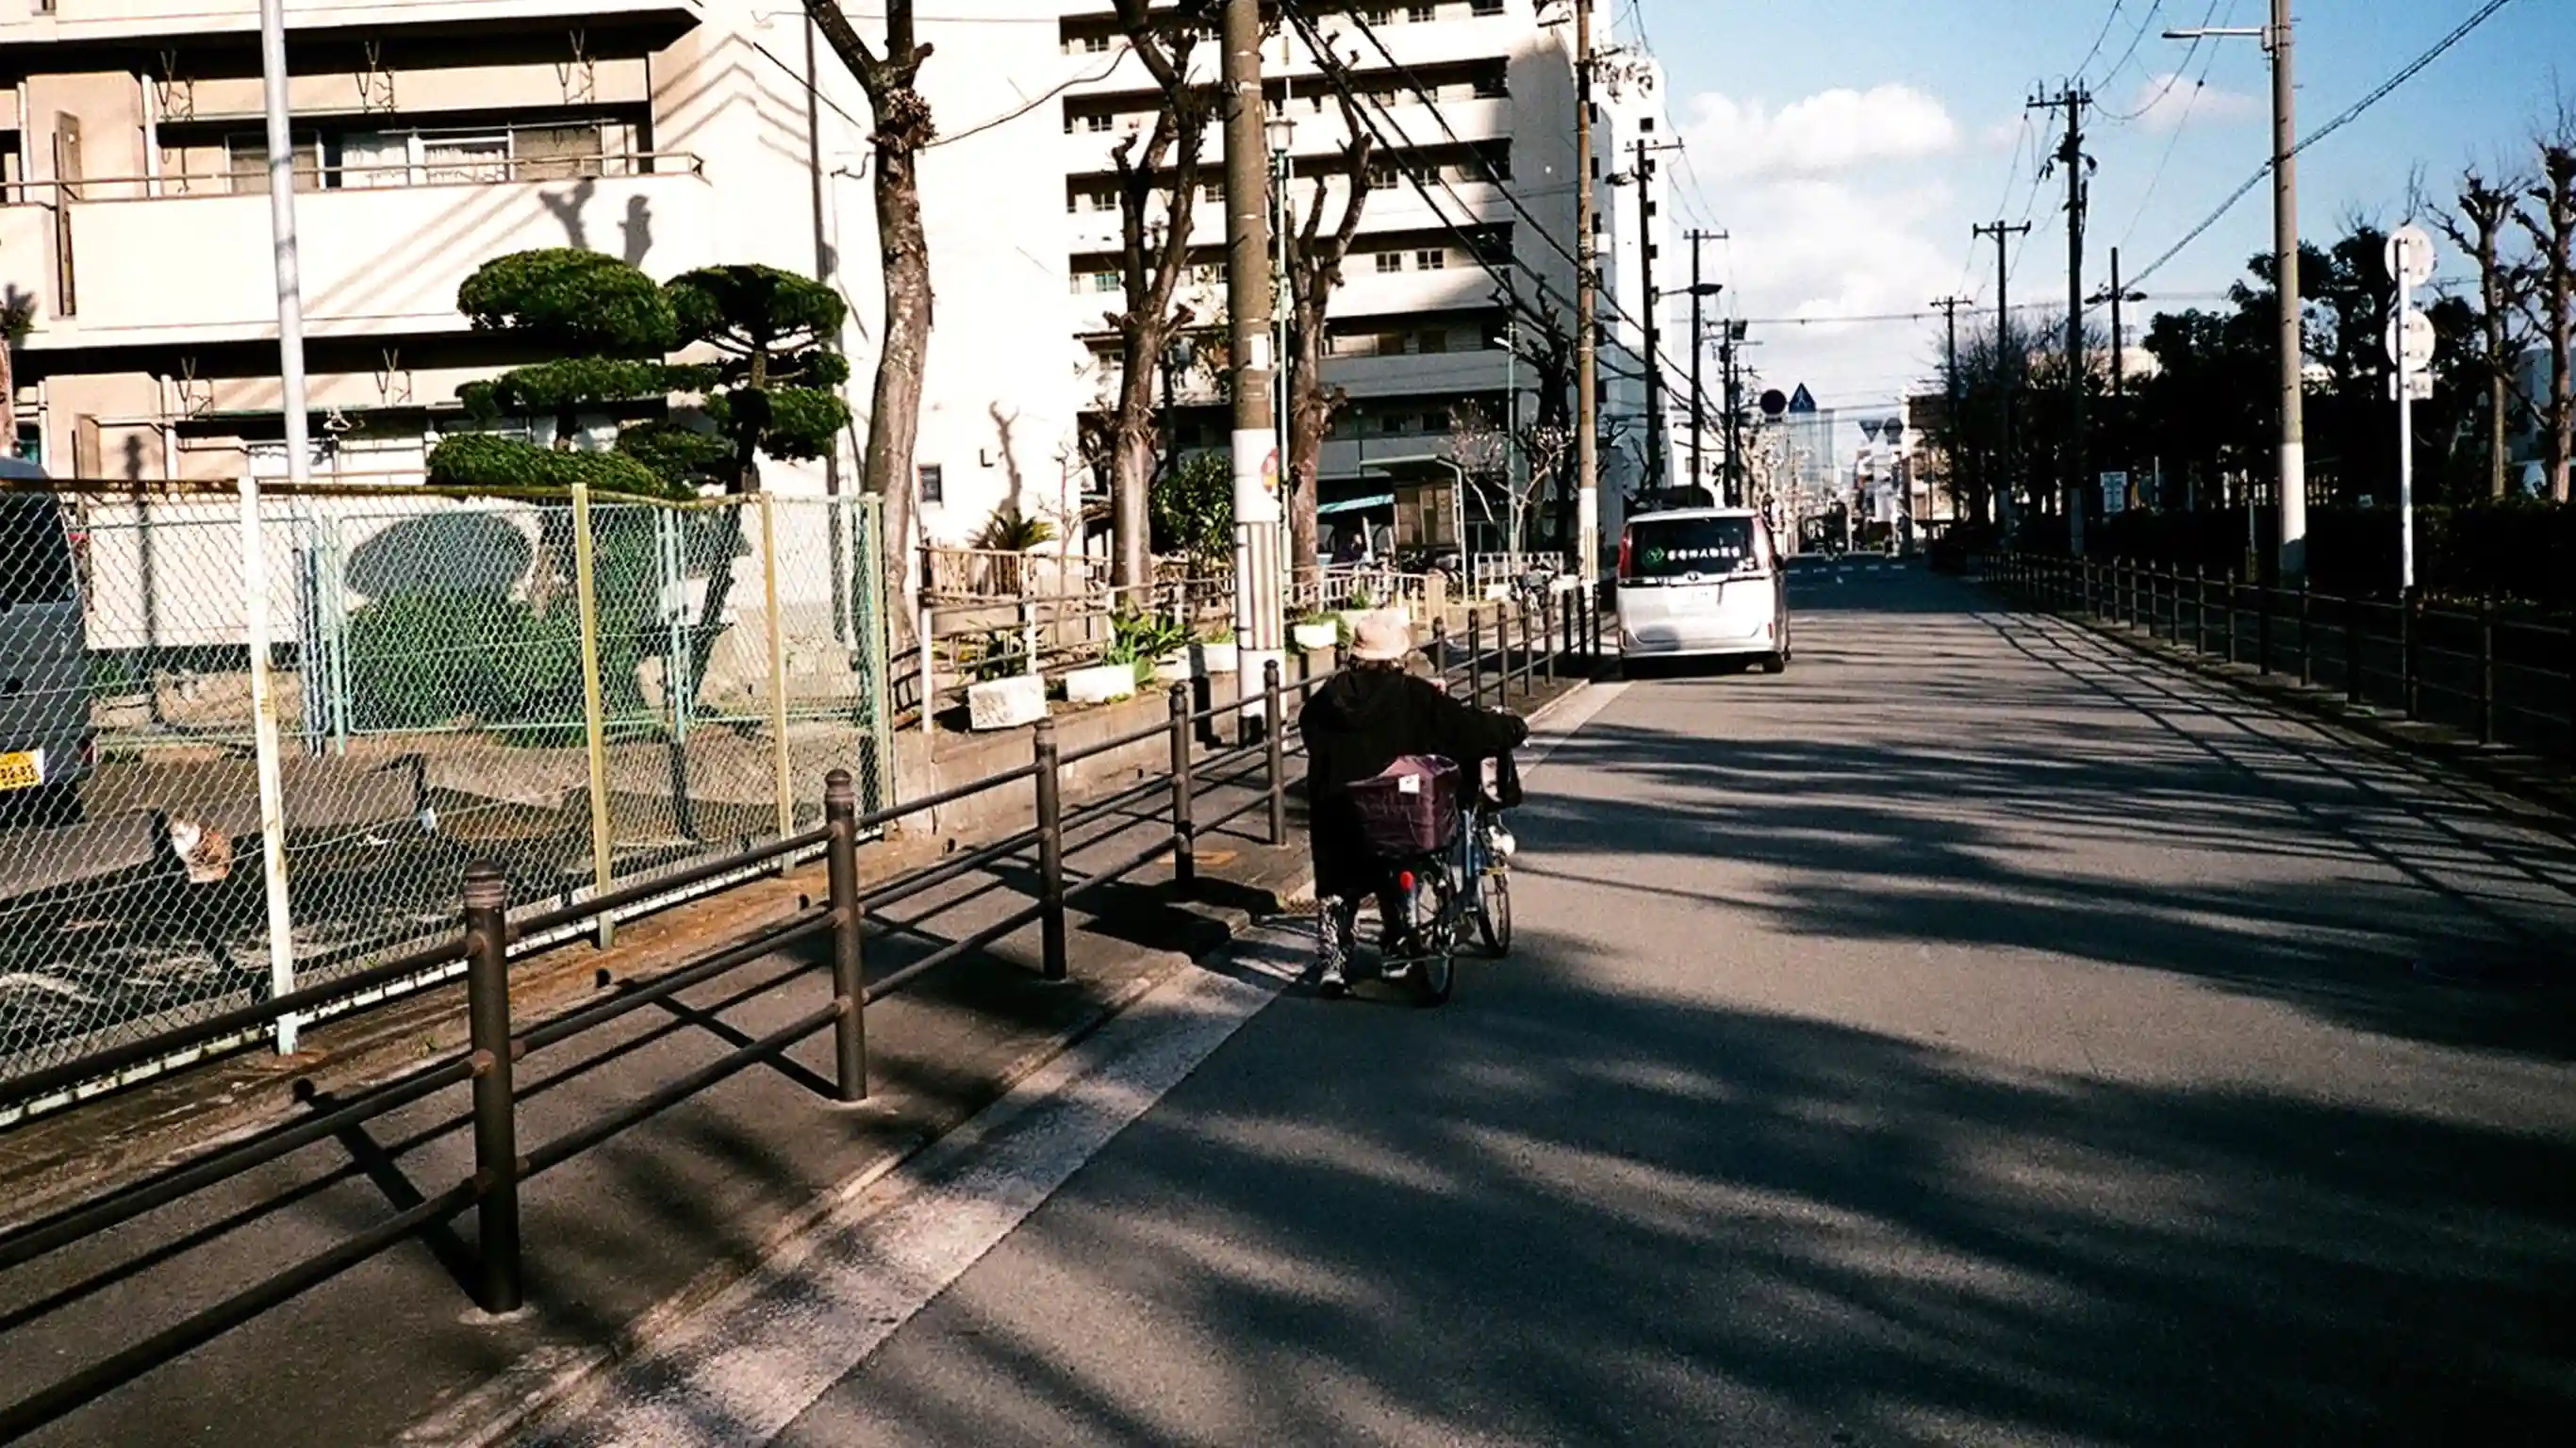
433 135
1475 100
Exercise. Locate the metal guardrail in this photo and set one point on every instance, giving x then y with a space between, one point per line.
1520 648
2502 679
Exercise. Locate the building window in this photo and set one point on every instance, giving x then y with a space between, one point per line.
1097 125
1421 14
1430 259
1382 178
1436 340
934 485
1485 7
1492 86
1095 44
1390 261
1104 281
246 157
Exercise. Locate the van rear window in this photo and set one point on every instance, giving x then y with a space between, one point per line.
35 555
1673 547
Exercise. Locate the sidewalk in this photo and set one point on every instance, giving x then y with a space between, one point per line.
2522 778
621 1240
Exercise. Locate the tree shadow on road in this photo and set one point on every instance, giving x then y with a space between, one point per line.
1602 1217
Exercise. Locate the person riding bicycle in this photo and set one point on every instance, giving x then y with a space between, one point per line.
1363 720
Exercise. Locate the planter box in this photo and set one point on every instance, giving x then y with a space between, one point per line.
1006 703
1101 684
1176 668
1315 636
1224 658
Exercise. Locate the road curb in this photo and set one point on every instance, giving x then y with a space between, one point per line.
496 1410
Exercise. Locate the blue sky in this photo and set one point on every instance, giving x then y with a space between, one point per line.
1848 145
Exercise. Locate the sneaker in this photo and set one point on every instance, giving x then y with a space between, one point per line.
1332 949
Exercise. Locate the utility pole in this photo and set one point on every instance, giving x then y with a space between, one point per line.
1700 292
2285 248
1258 595
1587 326
1950 387
2005 363
2293 502
2119 296
1644 176
2071 157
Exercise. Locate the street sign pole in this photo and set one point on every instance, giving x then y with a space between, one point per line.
2410 346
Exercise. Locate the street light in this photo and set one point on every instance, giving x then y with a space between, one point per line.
2293 503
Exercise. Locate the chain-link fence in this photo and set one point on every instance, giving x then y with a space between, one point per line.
582 691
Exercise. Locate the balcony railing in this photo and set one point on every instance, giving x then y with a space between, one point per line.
130 260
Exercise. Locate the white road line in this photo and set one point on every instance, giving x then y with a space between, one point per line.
761 1354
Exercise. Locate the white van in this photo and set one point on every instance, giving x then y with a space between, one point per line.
1702 583
47 746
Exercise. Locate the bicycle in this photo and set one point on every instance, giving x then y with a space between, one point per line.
1442 891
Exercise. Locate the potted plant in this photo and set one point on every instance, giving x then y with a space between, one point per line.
1316 631
1217 653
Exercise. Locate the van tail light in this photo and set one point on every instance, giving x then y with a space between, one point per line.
1404 881
1627 554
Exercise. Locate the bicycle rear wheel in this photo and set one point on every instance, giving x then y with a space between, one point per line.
1434 977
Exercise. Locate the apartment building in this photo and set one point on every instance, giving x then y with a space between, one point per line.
1472 107
433 135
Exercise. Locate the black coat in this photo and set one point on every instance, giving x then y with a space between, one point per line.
1363 720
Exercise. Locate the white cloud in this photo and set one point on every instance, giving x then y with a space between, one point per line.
2164 102
1821 135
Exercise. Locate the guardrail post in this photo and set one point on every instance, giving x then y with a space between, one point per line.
2307 649
2406 631
1185 856
1274 743
2486 670
2262 627
1440 651
1546 634
2200 608
849 912
496 1127
1051 846
1475 655
2232 577
2351 649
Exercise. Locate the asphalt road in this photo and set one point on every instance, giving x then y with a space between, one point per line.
1974 1035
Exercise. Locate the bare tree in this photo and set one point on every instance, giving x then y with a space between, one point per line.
2548 215
1314 272
903 127
1154 256
2478 227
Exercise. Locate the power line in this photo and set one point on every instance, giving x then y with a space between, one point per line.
2136 40
2173 142
2350 114
2175 77
2105 34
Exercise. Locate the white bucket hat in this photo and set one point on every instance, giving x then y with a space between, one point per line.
1382 637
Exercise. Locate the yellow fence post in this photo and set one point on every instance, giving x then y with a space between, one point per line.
594 708
777 669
